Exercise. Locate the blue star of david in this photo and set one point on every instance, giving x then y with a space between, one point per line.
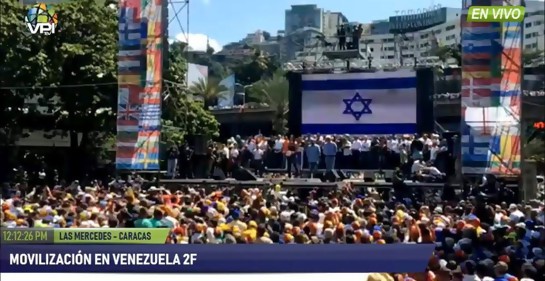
355 99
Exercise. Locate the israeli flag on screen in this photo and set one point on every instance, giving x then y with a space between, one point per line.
382 102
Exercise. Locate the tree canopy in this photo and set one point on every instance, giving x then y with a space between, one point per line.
73 74
274 91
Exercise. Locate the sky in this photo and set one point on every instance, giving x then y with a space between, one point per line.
226 21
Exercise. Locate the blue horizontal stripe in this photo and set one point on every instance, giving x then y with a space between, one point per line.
134 42
236 259
142 128
481 49
123 47
506 93
136 166
358 129
130 69
359 84
126 31
475 144
481 36
512 34
474 158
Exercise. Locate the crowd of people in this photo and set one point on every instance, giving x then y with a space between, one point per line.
426 156
484 233
484 236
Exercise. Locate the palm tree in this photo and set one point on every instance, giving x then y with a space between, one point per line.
208 89
274 91
260 60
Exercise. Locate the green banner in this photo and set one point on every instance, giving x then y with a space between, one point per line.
111 236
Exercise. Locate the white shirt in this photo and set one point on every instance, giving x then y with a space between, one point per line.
234 153
258 153
365 145
356 145
471 278
428 142
226 151
433 171
393 145
251 145
278 144
516 216
416 167
433 152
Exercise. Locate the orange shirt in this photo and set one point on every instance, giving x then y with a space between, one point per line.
285 146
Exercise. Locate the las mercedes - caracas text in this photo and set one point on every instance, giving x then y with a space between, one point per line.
80 258
104 236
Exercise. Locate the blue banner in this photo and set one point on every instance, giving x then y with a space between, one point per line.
330 258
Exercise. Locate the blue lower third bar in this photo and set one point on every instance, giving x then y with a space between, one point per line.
350 258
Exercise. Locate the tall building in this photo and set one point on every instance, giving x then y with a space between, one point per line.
409 38
254 38
331 21
297 18
300 16
534 34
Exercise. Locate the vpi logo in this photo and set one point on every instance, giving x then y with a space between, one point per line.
41 19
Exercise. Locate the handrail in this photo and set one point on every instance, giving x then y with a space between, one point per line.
439 128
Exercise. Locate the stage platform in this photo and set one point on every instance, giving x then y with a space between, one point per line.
174 184
366 173
343 54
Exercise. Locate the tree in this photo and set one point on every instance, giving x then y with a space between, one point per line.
208 89
23 65
274 91
253 70
177 65
447 52
266 35
83 53
181 116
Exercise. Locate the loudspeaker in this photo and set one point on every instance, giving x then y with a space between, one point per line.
331 176
200 143
318 175
218 174
242 174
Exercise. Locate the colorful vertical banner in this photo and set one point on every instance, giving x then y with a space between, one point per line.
139 78
491 91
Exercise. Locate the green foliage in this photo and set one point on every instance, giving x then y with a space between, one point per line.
83 52
446 52
177 65
208 89
274 91
260 66
183 117
23 62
